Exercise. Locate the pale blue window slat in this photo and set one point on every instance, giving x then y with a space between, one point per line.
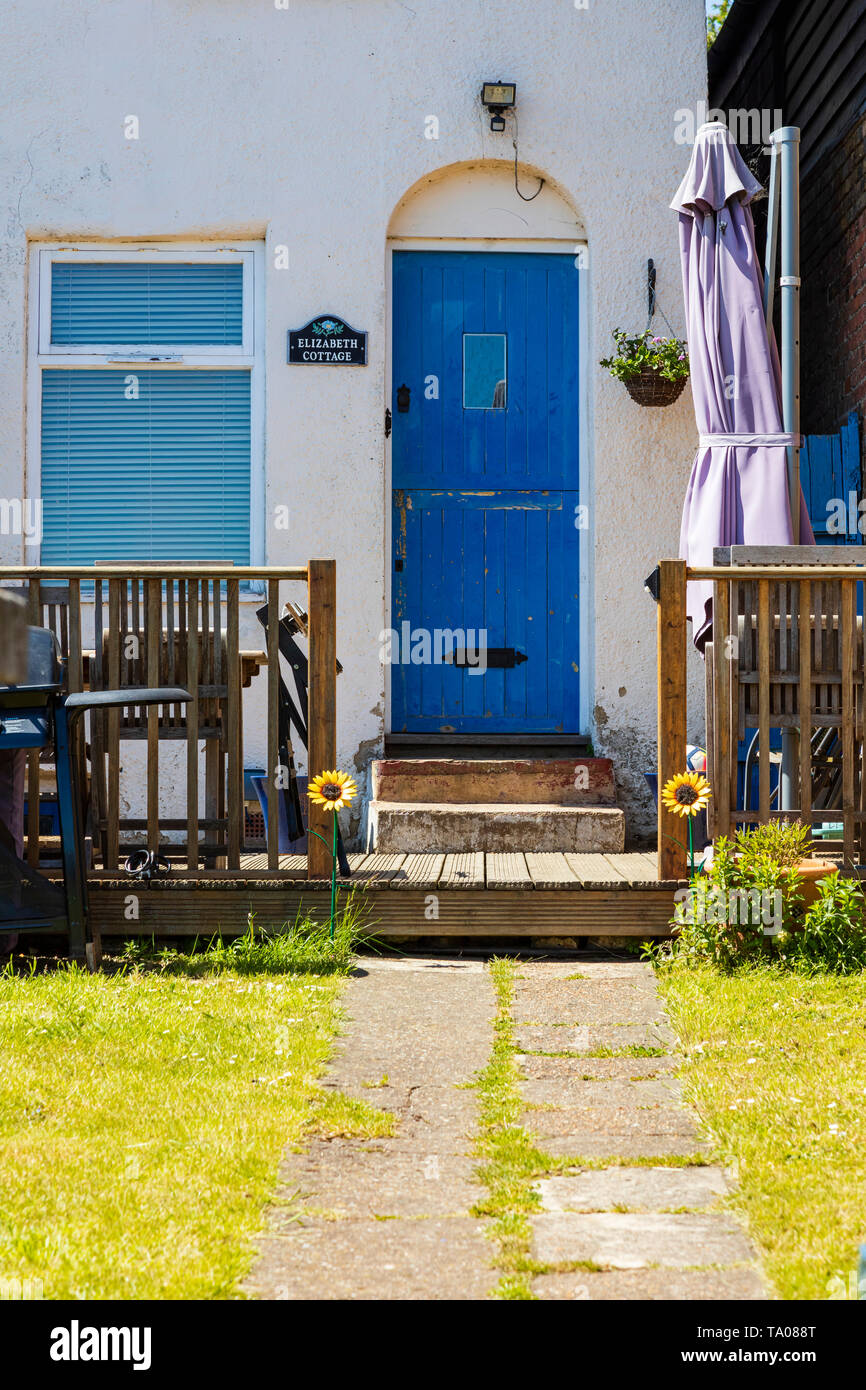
105 302
163 477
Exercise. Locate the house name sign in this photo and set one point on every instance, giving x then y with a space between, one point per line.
328 339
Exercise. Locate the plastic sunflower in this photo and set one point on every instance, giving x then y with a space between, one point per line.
333 790
686 793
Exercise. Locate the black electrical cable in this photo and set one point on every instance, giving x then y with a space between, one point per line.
527 197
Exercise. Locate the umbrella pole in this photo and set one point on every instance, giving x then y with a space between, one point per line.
788 141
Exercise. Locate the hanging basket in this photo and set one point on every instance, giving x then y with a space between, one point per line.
649 388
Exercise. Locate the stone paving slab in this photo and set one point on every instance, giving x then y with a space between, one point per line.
639 1189
387 1218
412 1181
625 1218
432 1260
589 1121
583 969
575 1093
595 1068
626 1146
633 1240
595 1002
568 1037
654 1285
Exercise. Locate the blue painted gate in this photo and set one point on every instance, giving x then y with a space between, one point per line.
485 493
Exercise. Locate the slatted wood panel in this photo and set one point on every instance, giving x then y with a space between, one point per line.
380 868
148 625
418 871
796 663
495 913
551 871
595 869
633 867
463 871
506 871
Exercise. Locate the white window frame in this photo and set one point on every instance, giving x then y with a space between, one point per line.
249 355
152 256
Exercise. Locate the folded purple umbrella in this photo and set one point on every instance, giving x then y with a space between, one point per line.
738 489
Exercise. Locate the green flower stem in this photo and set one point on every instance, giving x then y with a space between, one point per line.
334 877
333 853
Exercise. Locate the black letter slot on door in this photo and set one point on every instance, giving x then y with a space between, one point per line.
494 658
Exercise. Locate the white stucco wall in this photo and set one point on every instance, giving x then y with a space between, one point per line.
306 127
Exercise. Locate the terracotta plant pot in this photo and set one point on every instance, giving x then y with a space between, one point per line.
650 388
810 872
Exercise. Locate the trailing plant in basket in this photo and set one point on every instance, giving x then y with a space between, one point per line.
666 357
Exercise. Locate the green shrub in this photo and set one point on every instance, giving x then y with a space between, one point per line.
748 907
833 934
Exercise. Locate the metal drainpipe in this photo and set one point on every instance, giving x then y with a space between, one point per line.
788 141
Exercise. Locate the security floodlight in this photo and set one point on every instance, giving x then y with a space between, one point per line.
498 97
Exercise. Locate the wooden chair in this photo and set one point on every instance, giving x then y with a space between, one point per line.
190 652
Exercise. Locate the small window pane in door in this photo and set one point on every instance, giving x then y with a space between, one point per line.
484 371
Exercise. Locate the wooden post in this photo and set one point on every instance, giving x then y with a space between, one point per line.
322 718
235 788
805 701
112 837
847 622
273 721
764 701
13 638
725 656
672 830
194 641
153 627
35 620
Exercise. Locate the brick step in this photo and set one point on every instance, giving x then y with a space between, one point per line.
517 781
449 828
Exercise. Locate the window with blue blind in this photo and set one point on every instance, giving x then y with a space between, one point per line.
163 476
146 304
142 461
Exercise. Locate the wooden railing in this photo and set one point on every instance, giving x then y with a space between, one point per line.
179 625
787 654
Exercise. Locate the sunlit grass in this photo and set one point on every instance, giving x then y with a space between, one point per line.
776 1066
143 1115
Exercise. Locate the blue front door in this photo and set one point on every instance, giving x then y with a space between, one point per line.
486 522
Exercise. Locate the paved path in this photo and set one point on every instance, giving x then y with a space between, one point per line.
397 1223
655 1231
390 1218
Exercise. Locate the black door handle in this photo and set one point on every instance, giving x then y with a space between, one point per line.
403 397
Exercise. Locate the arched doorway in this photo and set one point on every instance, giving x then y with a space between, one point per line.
485 392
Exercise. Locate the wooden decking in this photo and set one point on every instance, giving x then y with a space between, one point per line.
411 895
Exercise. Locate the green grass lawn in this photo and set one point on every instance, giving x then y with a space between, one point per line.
776 1066
143 1114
